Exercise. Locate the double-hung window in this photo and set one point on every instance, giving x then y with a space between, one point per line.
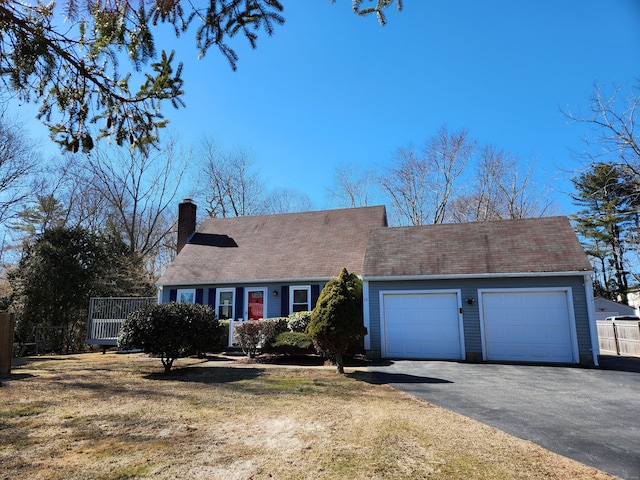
225 303
299 298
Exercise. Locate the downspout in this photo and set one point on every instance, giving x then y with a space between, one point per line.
593 328
365 313
160 290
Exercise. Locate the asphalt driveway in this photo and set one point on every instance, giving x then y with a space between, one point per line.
591 415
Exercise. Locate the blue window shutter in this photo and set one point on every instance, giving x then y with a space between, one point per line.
211 301
315 293
199 292
284 301
173 294
239 312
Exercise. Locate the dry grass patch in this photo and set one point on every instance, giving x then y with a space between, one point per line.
111 416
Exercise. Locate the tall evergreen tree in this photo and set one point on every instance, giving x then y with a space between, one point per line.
45 214
61 269
605 222
336 321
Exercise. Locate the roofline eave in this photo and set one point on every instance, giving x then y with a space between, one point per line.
252 281
380 278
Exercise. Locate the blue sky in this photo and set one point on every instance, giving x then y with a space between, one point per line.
332 88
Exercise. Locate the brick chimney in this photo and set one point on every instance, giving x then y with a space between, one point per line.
186 222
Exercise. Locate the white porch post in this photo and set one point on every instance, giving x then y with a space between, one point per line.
230 342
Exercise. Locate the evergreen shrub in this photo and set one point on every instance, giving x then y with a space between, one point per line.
170 331
292 343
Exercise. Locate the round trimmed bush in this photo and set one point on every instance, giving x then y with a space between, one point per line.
170 331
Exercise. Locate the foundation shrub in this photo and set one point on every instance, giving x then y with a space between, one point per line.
257 335
299 321
292 343
247 335
272 327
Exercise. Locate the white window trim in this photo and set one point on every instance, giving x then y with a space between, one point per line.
182 291
265 297
233 300
299 287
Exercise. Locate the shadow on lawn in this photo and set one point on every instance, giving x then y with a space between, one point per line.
208 375
26 361
15 376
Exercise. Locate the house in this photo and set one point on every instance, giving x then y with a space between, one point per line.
633 297
608 308
265 266
512 290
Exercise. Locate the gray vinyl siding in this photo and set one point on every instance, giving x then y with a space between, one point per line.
471 313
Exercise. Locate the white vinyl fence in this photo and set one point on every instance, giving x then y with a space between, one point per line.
107 314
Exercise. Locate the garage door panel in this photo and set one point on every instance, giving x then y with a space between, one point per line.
424 325
527 326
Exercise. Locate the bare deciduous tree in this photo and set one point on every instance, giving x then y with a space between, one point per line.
230 187
448 155
71 185
353 188
421 183
406 185
139 193
612 121
501 188
18 161
287 201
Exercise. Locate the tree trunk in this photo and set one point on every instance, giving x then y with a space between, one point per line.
339 363
167 363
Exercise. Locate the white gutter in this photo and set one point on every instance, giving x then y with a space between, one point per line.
252 281
593 327
473 276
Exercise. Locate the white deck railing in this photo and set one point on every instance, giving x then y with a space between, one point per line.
107 314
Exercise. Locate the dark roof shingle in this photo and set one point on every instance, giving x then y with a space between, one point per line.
309 245
532 245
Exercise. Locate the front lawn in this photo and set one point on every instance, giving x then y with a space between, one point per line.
95 416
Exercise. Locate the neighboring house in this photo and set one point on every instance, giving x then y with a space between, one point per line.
512 290
268 265
608 308
633 297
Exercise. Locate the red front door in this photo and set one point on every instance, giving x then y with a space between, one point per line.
255 304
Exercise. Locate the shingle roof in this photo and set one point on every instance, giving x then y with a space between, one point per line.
309 245
533 245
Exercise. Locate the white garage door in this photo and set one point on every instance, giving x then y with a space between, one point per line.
533 326
421 325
